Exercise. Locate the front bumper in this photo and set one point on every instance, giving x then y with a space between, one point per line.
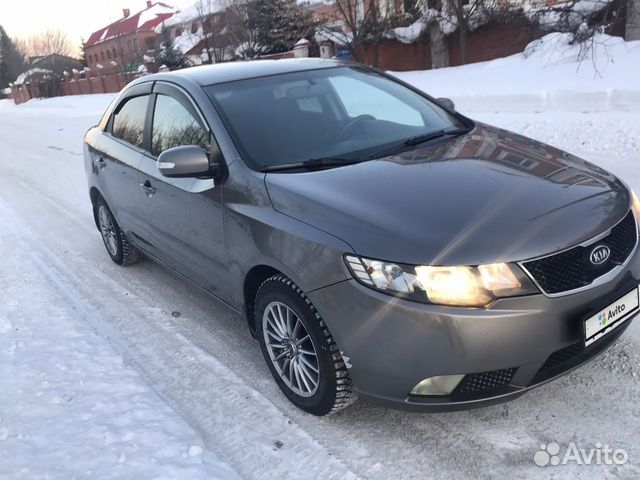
514 345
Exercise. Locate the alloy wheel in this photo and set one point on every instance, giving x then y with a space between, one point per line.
291 349
108 231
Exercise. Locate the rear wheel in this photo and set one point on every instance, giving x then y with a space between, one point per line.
115 241
299 350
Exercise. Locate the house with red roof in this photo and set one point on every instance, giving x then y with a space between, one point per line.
122 45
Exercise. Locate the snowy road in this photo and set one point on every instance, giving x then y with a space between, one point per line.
145 387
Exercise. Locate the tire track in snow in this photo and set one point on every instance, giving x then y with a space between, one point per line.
235 420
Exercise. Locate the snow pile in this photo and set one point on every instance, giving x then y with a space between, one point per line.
568 15
335 33
411 33
187 40
23 76
552 73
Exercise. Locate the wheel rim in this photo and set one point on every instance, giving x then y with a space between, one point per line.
107 230
291 349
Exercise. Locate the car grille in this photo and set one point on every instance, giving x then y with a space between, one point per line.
486 381
572 268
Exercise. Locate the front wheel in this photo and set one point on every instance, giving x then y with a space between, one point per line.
299 350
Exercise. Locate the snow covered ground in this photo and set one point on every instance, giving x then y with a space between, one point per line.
108 372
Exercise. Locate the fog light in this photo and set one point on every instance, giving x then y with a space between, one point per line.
440 385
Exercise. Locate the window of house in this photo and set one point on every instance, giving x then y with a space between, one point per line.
114 53
108 54
128 121
102 55
174 126
178 32
194 27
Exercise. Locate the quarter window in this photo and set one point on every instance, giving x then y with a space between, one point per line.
174 126
128 122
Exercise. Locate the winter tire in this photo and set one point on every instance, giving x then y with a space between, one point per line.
115 241
299 350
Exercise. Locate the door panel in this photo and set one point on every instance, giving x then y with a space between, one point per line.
117 166
116 157
184 227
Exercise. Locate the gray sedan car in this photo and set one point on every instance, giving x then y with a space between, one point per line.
378 243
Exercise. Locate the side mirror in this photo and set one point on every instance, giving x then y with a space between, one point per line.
185 161
447 103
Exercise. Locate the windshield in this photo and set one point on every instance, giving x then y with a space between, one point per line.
343 112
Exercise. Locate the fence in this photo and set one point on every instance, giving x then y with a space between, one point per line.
71 84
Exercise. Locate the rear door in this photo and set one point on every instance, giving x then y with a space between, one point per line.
117 154
185 223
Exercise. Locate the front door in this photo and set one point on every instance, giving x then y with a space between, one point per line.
185 215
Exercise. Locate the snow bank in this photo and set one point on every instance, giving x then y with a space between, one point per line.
551 73
566 14
71 406
23 76
71 106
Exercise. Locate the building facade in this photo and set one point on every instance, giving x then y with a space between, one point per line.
123 45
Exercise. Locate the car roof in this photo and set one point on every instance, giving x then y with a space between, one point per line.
230 71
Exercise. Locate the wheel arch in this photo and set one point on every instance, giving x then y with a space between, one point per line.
252 281
94 195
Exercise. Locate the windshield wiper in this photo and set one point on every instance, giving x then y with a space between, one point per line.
313 164
418 139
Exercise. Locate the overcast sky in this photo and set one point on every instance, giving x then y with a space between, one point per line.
78 18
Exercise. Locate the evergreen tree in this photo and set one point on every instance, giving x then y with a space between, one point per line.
83 55
281 23
12 62
169 54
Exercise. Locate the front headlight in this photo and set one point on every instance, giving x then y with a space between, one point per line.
466 286
635 207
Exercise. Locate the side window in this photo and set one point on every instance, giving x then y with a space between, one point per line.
128 122
174 126
361 98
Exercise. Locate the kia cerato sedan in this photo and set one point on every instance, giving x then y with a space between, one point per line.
379 244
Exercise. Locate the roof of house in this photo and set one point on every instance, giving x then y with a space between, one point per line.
147 19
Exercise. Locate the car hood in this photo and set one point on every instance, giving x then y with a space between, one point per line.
486 196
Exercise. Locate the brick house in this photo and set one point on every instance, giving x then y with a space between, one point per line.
122 45
205 33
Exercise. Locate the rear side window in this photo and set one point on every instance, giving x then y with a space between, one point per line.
174 126
128 121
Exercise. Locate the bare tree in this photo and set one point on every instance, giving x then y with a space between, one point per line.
46 43
204 11
364 23
244 27
632 31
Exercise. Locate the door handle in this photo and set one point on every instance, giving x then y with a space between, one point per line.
148 188
101 162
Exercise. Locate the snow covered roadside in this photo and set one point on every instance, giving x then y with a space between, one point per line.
550 74
70 405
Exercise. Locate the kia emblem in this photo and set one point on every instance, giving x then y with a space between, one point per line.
599 254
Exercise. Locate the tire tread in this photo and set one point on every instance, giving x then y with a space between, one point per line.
344 394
